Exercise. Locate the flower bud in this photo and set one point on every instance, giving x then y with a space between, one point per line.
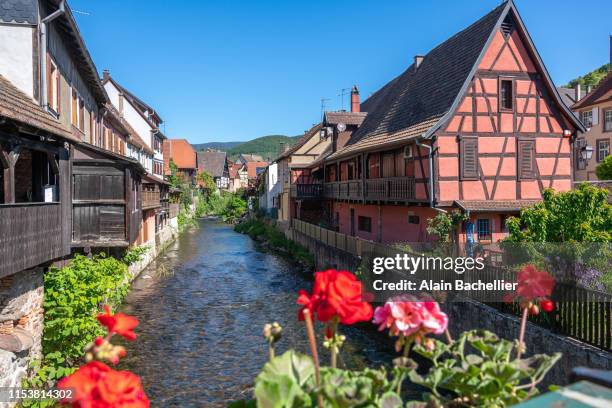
534 310
99 341
547 305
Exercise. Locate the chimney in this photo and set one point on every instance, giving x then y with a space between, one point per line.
418 59
120 104
105 74
281 147
355 99
577 95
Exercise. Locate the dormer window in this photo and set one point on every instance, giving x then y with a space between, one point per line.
506 97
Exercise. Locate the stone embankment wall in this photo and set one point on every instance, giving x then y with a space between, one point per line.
469 315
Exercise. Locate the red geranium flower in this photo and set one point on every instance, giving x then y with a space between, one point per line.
534 284
119 323
95 385
336 293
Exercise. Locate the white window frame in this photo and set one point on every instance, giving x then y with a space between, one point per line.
54 103
586 117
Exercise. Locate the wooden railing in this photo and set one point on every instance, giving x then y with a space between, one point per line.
150 199
306 191
581 313
380 189
174 210
30 234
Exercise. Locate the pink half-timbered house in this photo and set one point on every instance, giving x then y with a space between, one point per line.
476 125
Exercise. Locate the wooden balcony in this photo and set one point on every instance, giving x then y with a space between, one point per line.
150 199
391 189
306 191
30 235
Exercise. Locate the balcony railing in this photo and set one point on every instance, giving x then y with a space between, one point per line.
380 189
150 199
30 234
306 191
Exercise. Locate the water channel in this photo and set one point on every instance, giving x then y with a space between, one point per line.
202 306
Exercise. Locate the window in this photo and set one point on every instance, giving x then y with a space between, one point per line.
78 111
469 158
586 117
364 224
603 149
414 219
526 159
484 230
53 86
607 120
505 94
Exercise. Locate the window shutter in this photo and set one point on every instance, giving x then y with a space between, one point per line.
595 116
469 158
526 159
49 82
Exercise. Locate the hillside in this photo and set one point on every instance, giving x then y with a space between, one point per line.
215 145
592 78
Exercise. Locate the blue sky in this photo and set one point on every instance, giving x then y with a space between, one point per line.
234 70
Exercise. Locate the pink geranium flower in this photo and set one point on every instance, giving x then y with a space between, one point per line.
408 317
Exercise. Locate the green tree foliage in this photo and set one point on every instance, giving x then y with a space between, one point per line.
444 225
580 215
266 146
229 206
174 178
208 182
604 170
590 79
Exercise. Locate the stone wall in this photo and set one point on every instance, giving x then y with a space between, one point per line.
21 324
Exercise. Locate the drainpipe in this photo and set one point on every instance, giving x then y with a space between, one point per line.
43 51
431 175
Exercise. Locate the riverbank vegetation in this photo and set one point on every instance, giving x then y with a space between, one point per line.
230 207
477 368
72 298
259 230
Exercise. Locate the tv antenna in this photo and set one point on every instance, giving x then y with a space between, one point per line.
343 91
323 106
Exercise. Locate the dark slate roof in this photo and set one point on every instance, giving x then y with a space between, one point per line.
429 91
348 118
212 162
17 106
19 11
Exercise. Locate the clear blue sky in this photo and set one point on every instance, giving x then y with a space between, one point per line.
234 70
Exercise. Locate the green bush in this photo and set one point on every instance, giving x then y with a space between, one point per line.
259 230
229 206
604 169
73 297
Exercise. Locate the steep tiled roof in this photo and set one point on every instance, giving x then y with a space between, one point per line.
212 162
348 118
386 139
18 11
429 91
497 205
252 167
17 106
601 93
181 153
301 141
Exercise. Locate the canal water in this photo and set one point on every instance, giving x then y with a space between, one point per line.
202 306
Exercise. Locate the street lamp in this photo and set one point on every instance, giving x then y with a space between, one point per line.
586 152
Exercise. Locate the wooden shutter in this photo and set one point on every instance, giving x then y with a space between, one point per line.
469 157
526 159
595 119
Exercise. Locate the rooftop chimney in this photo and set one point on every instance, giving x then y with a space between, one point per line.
281 147
577 92
418 59
355 99
105 74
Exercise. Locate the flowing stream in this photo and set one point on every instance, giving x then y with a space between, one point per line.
202 306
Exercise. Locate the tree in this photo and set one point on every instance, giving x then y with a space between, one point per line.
173 178
444 225
580 215
604 170
207 181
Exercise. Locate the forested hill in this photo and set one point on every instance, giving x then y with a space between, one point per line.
590 79
265 146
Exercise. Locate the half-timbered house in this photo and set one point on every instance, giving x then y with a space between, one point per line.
476 124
